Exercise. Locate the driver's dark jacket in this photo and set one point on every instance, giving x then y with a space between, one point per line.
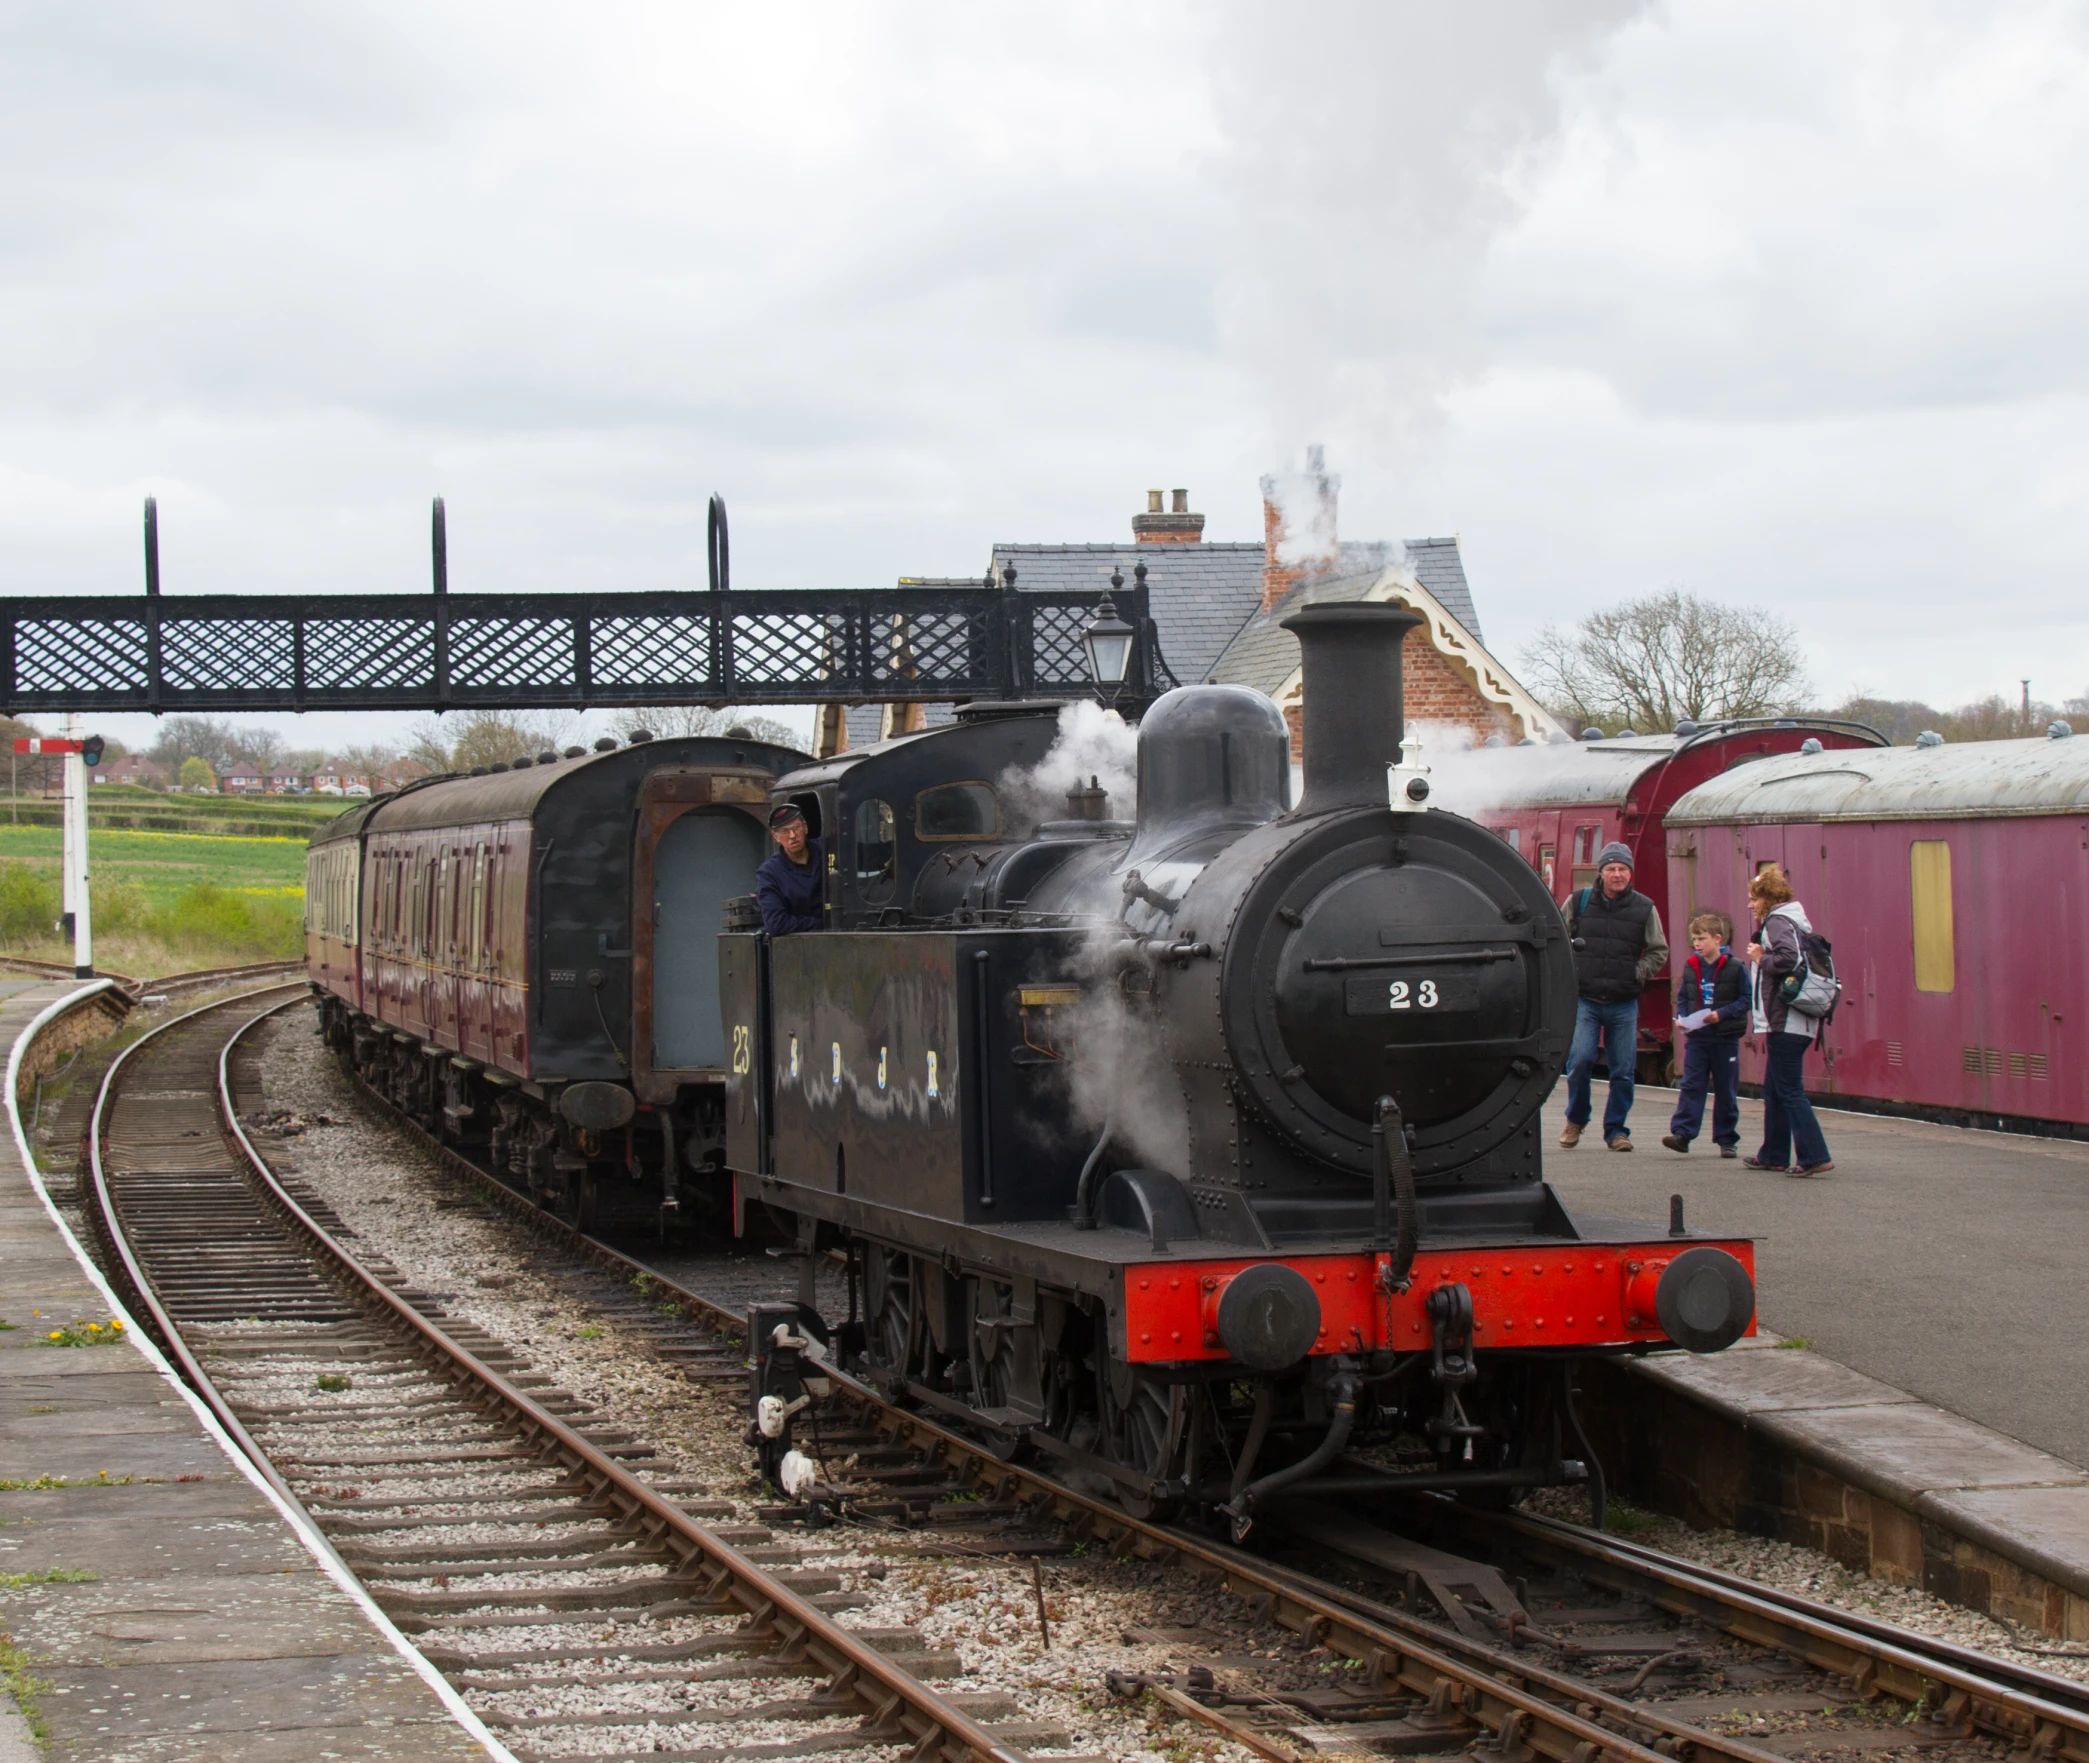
789 893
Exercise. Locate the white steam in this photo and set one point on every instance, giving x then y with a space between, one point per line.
1372 152
1092 743
1119 1074
1466 776
1473 779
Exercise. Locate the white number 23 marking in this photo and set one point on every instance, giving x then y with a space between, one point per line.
1424 995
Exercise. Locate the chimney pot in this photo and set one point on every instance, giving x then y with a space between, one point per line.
1160 525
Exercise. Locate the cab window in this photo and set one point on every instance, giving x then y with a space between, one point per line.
877 851
957 811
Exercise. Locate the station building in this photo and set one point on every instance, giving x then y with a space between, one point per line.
1218 610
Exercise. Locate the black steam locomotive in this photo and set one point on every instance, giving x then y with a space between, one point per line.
1199 1150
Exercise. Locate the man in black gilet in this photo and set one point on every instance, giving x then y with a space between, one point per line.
1618 947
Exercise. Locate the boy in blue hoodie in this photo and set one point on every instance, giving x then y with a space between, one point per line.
1712 1016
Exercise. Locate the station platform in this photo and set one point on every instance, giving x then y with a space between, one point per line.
155 1600
1916 1404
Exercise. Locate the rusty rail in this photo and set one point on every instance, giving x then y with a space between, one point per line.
893 1700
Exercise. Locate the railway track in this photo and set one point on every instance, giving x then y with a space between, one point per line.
195 979
1607 1648
544 1560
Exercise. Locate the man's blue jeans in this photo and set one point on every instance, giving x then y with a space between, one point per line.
1617 1026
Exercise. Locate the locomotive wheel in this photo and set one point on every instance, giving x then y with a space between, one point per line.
1146 1427
988 1307
583 1199
890 1309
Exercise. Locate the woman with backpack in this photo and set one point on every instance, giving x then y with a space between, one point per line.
1780 957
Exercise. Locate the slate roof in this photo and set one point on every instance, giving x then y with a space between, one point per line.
1207 600
1265 655
1440 567
1203 595
1199 594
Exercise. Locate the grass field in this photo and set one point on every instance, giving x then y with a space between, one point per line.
163 865
162 901
131 808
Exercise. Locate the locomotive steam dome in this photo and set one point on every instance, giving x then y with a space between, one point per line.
1210 757
1370 950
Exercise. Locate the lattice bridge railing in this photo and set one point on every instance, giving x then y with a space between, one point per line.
220 652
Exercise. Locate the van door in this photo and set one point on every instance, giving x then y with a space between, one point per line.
704 858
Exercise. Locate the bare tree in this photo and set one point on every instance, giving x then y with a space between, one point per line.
487 737
196 737
1651 663
667 720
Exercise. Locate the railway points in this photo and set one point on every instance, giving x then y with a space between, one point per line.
165 1603
1935 1429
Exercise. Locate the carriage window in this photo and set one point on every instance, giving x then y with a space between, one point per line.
957 811
1585 844
877 850
475 954
1514 835
1929 887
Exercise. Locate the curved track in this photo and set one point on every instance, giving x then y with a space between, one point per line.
444 1433
1528 1685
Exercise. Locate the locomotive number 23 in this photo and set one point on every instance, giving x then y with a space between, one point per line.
1370 995
743 1049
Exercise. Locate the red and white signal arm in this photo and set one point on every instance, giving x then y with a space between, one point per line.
47 744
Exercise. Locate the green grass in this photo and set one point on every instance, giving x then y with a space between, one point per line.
49 1576
162 901
84 1334
24 1688
127 806
18 1484
163 865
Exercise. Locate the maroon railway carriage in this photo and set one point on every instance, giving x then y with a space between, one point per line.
1560 805
1953 882
526 959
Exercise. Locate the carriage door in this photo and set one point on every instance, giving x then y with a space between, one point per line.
704 858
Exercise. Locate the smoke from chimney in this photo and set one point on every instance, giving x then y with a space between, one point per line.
1298 526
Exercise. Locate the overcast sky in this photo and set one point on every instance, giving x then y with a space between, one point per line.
1772 301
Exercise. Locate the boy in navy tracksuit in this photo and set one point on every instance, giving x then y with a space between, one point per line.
1712 1016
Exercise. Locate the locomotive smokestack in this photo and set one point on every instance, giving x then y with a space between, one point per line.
1354 715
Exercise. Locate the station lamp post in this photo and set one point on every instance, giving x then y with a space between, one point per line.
1109 640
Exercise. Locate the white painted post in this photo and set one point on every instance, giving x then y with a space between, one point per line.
76 811
68 903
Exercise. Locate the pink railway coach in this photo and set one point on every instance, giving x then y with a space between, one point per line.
1559 806
1953 882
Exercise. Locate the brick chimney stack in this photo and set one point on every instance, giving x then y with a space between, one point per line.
1298 526
1168 526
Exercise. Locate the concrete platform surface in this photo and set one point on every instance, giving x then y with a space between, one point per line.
168 1606
1944 1263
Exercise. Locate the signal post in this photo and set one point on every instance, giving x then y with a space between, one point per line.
78 756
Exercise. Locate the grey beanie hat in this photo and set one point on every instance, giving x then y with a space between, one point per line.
1614 852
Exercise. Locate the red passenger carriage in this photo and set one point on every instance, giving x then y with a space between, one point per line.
1953 882
1559 806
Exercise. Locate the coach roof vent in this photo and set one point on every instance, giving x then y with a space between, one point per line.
607 744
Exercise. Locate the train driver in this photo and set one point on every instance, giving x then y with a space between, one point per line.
787 886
